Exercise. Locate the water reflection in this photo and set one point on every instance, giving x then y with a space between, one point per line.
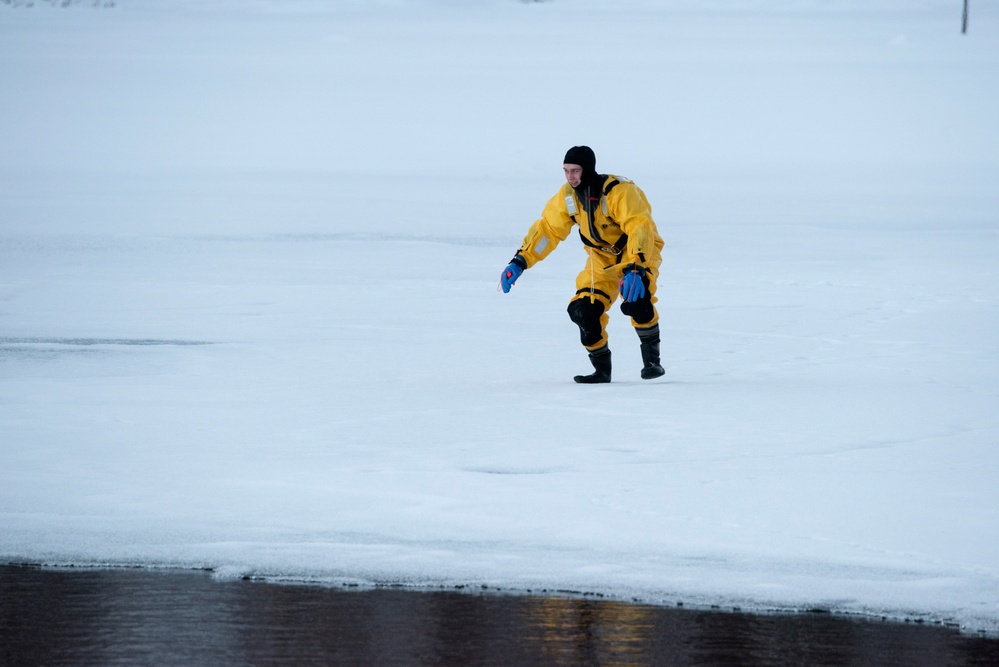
133 617
577 632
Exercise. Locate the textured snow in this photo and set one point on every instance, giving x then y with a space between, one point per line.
248 316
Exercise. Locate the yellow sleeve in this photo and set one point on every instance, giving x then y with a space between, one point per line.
628 206
547 232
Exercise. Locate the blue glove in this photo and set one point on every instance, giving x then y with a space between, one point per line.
632 287
510 275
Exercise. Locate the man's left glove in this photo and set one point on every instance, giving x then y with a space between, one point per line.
510 275
632 286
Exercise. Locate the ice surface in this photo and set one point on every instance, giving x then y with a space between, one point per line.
248 318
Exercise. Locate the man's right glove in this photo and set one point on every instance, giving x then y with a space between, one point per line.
632 287
510 275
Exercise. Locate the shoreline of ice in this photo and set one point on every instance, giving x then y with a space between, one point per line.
978 627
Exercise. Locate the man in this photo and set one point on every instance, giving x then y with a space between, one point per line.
614 220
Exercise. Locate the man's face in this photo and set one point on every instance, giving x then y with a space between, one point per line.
573 174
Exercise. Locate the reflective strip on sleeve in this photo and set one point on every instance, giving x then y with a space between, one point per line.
541 245
570 205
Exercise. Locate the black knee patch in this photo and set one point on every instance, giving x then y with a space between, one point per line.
641 311
586 314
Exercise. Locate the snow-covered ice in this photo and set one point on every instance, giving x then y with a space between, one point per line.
248 316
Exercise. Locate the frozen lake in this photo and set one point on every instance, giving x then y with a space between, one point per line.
248 316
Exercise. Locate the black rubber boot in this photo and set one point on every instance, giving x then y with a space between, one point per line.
650 352
601 360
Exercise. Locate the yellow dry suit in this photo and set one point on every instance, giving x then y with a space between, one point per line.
618 232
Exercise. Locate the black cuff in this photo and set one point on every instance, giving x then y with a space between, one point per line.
519 261
637 268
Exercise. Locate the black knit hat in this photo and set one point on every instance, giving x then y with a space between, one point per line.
584 157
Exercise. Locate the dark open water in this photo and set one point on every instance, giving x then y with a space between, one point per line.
138 617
